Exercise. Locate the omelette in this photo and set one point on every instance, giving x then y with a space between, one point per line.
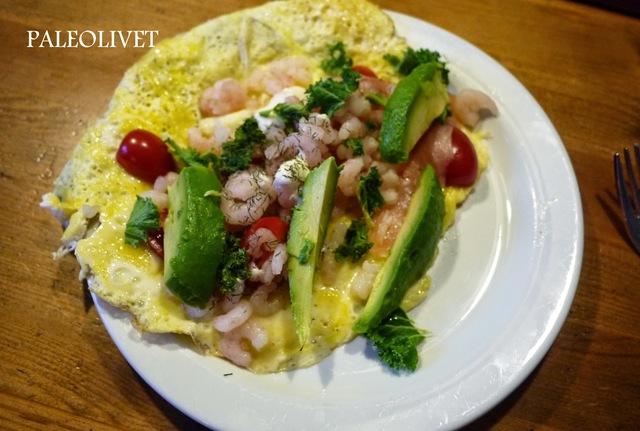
203 93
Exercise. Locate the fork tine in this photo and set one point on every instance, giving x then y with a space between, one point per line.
623 196
631 219
636 150
635 198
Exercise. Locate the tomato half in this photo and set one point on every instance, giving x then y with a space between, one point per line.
364 71
145 156
462 170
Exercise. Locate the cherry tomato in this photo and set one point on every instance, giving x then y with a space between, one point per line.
462 171
145 156
364 71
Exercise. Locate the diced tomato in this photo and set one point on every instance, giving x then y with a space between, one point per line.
276 225
155 241
364 71
279 227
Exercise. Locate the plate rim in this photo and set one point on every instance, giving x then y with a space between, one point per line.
126 345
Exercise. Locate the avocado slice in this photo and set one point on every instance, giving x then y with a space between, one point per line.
411 253
194 236
417 100
307 231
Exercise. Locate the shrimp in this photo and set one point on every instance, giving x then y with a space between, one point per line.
261 241
470 106
318 126
301 144
350 175
224 97
351 128
267 299
246 196
368 84
307 147
234 318
199 142
233 348
280 75
288 180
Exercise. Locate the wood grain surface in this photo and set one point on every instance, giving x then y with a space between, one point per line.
60 370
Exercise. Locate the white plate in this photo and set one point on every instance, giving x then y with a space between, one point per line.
502 287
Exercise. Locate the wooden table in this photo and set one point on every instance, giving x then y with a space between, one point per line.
59 369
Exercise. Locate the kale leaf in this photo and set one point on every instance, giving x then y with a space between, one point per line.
191 157
368 192
144 217
413 58
330 94
396 340
238 153
338 60
355 243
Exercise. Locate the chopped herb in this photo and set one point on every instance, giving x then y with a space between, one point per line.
238 153
338 60
355 243
376 99
305 253
289 113
236 265
330 94
144 217
190 156
413 58
396 340
369 195
356 145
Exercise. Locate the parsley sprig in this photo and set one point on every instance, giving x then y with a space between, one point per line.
396 340
144 217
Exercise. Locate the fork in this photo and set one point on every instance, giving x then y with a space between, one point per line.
629 193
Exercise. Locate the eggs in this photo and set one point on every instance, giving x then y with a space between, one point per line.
160 93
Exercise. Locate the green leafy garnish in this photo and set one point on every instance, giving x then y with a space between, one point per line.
330 94
191 157
338 60
144 217
396 340
356 145
413 58
238 153
236 265
368 193
356 243
289 113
